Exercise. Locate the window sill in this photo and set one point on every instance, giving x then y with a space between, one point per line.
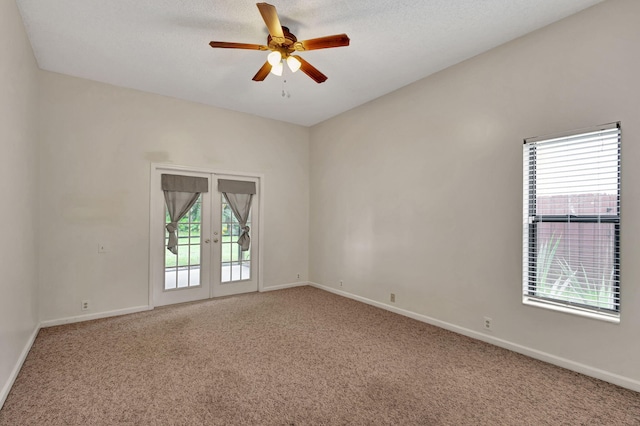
612 318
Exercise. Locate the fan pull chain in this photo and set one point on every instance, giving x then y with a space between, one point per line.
285 92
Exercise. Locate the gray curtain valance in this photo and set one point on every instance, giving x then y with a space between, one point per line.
236 186
179 183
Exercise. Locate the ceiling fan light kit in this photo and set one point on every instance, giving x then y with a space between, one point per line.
276 62
282 44
293 63
277 69
274 58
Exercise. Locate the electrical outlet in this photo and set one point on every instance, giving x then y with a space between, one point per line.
298 276
392 297
340 283
487 324
85 305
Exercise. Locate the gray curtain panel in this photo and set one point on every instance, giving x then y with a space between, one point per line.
239 195
180 194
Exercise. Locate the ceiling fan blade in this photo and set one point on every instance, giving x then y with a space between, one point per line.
262 72
310 70
270 16
227 45
337 40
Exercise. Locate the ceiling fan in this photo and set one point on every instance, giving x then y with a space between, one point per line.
282 44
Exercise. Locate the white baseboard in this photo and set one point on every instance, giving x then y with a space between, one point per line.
133 310
16 369
283 286
99 315
587 370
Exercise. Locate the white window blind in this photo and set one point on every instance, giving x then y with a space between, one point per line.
571 220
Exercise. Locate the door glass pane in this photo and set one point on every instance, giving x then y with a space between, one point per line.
195 214
183 254
245 271
170 278
235 271
226 250
226 272
235 264
194 257
183 277
187 272
194 234
194 276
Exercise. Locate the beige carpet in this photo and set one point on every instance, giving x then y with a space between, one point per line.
294 357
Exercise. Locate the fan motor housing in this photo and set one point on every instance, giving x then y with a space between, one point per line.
289 41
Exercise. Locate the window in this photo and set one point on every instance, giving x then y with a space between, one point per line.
236 264
571 226
182 270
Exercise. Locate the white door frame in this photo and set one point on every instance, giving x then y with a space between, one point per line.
156 201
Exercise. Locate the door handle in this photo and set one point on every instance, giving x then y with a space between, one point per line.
207 241
215 240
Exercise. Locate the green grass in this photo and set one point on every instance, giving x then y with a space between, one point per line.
229 252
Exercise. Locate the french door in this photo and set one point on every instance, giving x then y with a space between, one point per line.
208 261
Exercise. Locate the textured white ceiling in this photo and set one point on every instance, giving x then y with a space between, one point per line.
161 46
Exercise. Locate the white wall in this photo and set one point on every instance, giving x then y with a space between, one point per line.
97 145
419 192
18 186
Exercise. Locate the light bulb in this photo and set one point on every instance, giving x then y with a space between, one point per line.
274 58
277 69
294 63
